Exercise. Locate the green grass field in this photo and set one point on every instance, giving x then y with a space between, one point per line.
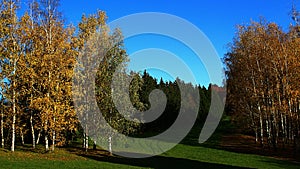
185 155
182 156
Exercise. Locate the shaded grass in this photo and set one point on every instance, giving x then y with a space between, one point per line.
205 154
225 127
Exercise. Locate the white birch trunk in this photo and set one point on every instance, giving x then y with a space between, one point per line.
46 143
83 145
39 136
53 136
86 142
268 131
256 135
46 137
110 145
2 132
32 131
53 140
261 130
13 122
22 136
283 129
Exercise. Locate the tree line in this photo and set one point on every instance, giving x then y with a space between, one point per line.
38 55
172 91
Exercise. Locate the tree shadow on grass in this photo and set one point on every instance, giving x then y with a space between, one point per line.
283 163
158 162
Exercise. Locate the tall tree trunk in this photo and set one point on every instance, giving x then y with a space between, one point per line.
286 129
53 135
261 130
22 136
13 121
86 136
275 133
32 130
110 144
32 79
39 136
46 123
13 55
46 143
53 140
256 135
268 131
86 142
2 132
83 145
46 137
283 130
290 121
13 134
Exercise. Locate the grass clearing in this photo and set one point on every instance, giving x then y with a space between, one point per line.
188 154
181 156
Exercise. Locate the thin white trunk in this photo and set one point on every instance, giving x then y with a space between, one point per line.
13 122
83 141
256 135
32 131
86 138
261 130
46 137
13 52
283 129
31 53
49 43
13 134
53 136
2 132
110 145
22 136
268 131
54 121
290 121
53 140
39 136
46 123
86 142
46 143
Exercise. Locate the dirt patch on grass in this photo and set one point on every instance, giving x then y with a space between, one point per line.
24 153
246 144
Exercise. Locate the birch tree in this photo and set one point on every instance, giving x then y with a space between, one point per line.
12 51
52 61
263 82
86 47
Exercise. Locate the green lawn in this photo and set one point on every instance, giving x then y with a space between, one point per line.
186 155
181 156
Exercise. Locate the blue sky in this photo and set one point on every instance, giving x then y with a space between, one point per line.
216 19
